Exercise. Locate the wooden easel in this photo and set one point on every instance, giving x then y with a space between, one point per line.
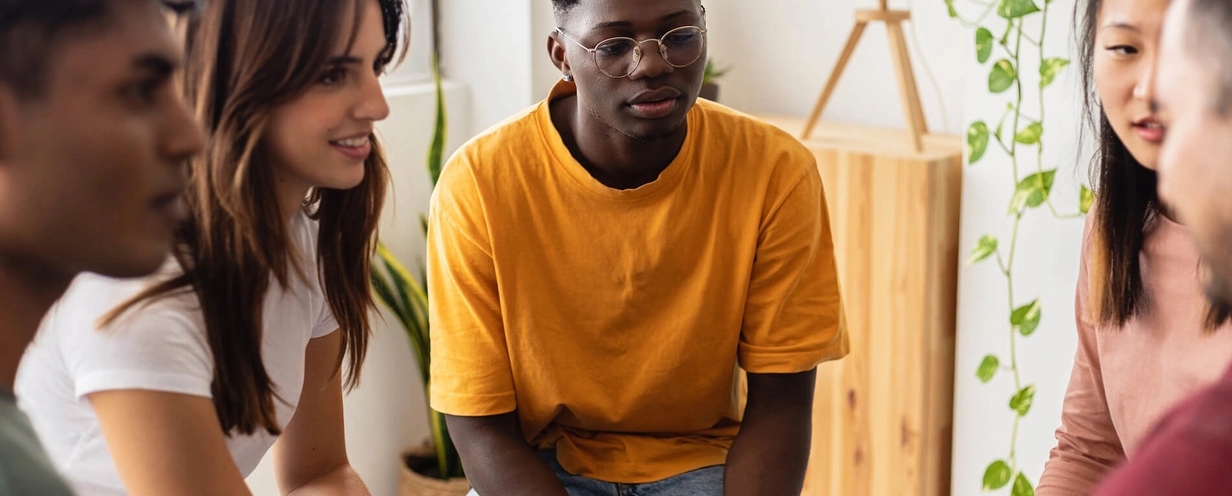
908 92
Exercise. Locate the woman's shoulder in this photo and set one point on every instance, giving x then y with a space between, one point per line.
91 299
162 336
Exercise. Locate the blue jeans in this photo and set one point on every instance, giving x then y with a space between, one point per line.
701 482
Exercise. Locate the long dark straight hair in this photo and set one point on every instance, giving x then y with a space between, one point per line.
244 59
1126 202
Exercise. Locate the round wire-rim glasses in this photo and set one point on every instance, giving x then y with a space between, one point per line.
617 55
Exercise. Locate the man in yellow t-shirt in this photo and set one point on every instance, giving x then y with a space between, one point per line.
603 265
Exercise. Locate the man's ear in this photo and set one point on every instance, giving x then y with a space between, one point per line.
556 50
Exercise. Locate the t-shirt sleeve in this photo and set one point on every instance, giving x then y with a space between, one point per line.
326 324
470 372
151 349
309 231
793 317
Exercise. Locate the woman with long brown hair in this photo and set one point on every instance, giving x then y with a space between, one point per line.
1147 335
237 345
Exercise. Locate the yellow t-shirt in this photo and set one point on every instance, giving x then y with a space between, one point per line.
613 320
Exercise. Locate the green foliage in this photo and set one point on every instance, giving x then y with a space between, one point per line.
1032 191
1031 135
1022 486
986 247
1049 70
713 72
1013 9
1017 52
1026 318
997 475
1002 76
988 368
406 298
983 44
1021 401
977 141
436 150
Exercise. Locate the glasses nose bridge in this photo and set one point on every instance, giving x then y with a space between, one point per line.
658 42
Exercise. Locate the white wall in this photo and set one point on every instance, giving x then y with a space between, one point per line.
486 45
782 51
543 73
387 412
1047 267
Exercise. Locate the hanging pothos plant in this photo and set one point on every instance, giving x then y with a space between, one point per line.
1019 48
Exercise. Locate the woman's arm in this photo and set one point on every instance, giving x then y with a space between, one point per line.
167 443
310 457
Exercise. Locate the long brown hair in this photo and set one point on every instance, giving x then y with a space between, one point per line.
244 59
1126 204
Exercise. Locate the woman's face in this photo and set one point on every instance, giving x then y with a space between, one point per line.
1126 46
321 139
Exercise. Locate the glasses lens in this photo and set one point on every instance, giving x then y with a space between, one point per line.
617 57
683 46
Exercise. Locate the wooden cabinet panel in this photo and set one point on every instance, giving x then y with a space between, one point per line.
882 421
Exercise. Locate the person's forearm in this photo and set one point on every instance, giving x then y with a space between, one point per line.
498 461
341 481
769 459
770 454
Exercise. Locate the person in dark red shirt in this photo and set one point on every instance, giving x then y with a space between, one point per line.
1189 452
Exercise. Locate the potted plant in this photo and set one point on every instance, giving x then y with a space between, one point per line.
435 469
710 86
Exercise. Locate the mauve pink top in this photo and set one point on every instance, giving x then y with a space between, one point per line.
1125 380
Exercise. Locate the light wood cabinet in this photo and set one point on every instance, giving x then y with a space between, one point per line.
882 420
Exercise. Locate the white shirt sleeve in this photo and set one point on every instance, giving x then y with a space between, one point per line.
153 347
326 324
308 232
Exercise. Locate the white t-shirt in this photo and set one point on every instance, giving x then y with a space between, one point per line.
160 347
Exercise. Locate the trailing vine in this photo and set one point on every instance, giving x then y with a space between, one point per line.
1032 186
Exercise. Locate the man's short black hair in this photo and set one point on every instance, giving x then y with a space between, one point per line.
562 7
30 28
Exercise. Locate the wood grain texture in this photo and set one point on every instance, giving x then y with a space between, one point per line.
883 415
882 14
909 93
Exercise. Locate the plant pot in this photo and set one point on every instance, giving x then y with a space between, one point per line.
413 483
710 91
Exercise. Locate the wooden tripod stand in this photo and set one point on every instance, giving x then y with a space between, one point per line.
902 66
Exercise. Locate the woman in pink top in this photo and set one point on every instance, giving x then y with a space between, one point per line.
1147 336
